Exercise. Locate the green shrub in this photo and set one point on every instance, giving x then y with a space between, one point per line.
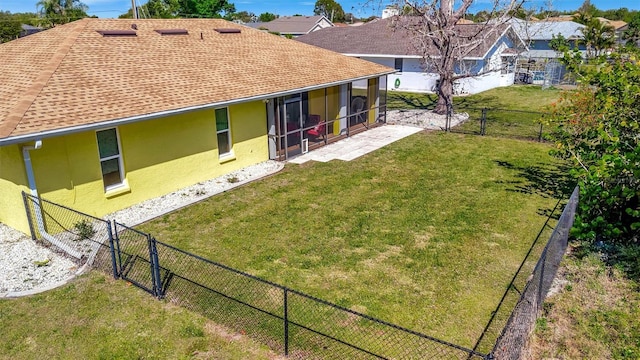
598 128
84 229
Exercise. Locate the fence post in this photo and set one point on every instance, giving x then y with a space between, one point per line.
155 267
116 238
286 322
540 134
543 263
112 249
483 122
449 114
27 208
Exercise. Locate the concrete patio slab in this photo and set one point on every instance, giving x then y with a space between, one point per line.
358 145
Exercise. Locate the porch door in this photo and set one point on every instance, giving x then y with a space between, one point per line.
292 124
358 103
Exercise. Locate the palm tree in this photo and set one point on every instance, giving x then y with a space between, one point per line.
56 12
582 18
598 37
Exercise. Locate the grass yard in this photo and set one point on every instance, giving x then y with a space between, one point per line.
517 97
512 111
95 317
425 233
594 316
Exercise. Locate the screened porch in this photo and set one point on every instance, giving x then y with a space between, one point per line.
301 122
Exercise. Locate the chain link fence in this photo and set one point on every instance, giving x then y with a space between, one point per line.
518 124
509 329
84 238
292 323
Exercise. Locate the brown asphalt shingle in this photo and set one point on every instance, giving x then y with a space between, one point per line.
71 75
389 37
290 24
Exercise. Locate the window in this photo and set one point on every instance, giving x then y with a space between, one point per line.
223 131
110 158
398 64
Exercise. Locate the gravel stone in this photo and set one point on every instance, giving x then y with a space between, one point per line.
28 267
425 119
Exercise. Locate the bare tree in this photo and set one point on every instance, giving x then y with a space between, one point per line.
443 45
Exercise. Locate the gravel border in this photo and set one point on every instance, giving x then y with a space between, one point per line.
425 119
29 267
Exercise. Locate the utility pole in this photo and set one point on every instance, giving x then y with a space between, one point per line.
134 8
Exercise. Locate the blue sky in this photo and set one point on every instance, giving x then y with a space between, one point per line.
113 8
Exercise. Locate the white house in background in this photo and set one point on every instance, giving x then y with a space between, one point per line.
293 26
390 11
538 35
489 65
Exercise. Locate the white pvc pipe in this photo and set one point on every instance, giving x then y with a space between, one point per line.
38 211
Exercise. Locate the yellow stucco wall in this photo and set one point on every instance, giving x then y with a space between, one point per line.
159 156
372 93
13 180
333 106
317 103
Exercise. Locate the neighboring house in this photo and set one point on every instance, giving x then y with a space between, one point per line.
293 26
619 27
538 35
29 30
101 114
489 65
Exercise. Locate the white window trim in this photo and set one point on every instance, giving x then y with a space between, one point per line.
123 182
229 154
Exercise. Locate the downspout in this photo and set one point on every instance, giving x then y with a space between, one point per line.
38 211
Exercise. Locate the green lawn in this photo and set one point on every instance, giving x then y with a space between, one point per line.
512 111
594 316
95 317
425 233
517 97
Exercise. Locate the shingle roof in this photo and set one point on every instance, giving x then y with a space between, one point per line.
545 30
71 75
290 24
617 24
380 37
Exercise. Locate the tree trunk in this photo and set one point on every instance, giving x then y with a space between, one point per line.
445 93
445 70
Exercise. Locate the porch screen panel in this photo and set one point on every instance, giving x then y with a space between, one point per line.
383 97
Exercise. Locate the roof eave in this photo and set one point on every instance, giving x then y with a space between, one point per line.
503 34
12 140
384 55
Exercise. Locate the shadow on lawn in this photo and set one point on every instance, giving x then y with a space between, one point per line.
477 102
548 181
412 101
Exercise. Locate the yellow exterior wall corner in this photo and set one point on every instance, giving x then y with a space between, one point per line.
13 181
159 156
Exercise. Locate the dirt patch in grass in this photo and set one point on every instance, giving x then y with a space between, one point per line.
594 315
